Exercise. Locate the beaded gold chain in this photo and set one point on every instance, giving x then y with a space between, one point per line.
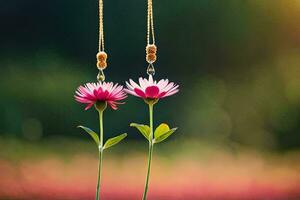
101 34
101 55
151 48
150 27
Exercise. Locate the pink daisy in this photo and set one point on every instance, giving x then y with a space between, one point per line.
150 89
92 93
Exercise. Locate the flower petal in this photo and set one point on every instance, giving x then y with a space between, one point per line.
171 93
134 84
150 80
139 92
161 95
152 91
89 106
143 83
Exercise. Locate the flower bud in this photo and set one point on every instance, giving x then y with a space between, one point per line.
100 106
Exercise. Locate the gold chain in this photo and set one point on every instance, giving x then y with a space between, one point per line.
151 49
101 55
150 25
101 32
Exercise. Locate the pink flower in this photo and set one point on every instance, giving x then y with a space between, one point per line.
150 89
92 93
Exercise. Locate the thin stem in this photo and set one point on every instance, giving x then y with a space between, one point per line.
101 128
99 175
100 155
151 145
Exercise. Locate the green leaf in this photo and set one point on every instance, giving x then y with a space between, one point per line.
161 129
115 140
144 129
91 133
164 136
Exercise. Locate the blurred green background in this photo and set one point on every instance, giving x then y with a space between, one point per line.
237 63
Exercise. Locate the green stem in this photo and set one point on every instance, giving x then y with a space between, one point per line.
100 155
151 145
